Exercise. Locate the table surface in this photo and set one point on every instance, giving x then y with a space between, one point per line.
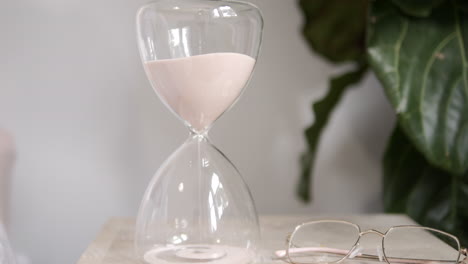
114 243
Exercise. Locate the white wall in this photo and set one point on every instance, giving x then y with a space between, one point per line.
90 132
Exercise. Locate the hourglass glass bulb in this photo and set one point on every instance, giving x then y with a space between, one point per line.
197 208
199 55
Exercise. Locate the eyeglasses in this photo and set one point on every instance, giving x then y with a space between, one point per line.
333 241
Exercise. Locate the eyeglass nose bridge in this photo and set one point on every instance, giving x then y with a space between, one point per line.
372 231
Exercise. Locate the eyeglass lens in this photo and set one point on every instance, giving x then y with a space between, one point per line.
418 245
322 242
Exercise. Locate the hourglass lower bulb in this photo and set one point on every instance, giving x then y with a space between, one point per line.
198 56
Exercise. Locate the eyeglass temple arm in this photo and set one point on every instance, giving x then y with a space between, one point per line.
283 254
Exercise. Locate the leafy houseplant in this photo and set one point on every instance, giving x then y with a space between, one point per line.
418 49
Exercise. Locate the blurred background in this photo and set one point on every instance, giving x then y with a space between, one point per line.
89 132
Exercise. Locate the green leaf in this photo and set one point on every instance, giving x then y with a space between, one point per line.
429 195
322 110
335 29
462 5
418 8
422 64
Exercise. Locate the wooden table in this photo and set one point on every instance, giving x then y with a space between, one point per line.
114 243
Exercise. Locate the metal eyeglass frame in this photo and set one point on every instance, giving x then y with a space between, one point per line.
282 254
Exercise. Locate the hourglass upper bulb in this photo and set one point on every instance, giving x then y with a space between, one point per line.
199 54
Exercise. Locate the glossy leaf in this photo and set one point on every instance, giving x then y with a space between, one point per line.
335 29
322 111
429 195
418 8
422 64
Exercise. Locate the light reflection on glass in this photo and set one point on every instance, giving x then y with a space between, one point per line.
216 13
185 37
179 41
227 11
216 201
174 37
213 217
152 55
176 240
205 163
215 183
221 208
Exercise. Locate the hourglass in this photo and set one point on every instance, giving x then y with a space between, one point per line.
198 56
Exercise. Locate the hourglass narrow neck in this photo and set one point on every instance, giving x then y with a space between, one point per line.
200 132
199 136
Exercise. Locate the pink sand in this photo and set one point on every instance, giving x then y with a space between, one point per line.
200 88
